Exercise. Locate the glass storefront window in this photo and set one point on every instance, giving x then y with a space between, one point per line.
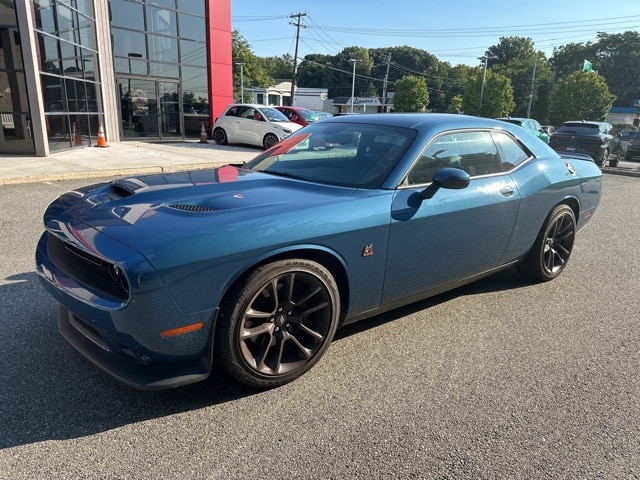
126 42
193 53
162 21
49 55
164 3
192 27
52 94
68 24
163 49
44 17
127 15
192 6
164 69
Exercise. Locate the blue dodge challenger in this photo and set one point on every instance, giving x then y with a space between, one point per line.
253 267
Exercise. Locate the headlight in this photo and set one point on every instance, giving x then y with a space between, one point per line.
286 130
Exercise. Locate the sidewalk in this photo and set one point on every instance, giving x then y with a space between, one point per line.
133 157
120 159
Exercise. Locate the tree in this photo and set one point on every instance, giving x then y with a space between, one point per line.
581 96
456 104
251 74
278 67
497 96
411 94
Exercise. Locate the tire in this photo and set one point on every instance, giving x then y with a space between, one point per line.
279 323
269 140
552 249
220 136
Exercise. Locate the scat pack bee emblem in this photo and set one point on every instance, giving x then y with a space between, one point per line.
367 251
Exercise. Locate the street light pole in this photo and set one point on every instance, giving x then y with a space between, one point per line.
241 81
485 58
353 82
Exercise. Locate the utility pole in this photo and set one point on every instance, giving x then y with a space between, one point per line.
485 58
533 82
295 55
353 82
241 81
384 86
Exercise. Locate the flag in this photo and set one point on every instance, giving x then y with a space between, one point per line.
586 66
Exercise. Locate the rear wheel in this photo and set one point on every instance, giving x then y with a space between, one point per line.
552 249
220 136
279 323
269 140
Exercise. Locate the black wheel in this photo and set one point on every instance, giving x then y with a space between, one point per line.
279 323
270 140
220 136
552 249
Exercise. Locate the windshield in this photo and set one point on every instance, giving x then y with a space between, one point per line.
580 128
344 154
308 115
273 115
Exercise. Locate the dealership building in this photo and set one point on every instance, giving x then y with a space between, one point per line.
140 69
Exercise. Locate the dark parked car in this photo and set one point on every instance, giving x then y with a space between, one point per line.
595 139
253 267
633 147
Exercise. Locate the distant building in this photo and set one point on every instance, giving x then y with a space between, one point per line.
623 116
279 95
145 69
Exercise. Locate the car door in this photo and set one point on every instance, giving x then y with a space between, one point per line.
458 233
249 126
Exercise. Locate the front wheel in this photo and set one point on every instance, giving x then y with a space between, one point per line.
279 323
269 140
551 251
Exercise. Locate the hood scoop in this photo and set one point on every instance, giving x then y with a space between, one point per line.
191 208
127 187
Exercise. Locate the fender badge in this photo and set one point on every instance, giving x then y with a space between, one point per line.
368 250
572 170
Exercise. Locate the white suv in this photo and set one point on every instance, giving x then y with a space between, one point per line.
252 124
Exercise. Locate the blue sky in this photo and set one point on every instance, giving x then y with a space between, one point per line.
456 31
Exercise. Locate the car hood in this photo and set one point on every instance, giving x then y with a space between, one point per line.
138 211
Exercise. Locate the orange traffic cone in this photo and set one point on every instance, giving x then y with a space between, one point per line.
102 141
77 138
203 134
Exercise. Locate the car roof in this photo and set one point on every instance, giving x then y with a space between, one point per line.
444 121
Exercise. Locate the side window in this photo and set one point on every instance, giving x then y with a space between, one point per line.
511 152
473 152
232 112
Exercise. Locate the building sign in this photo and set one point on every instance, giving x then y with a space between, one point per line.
372 101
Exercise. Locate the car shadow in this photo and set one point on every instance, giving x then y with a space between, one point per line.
51 393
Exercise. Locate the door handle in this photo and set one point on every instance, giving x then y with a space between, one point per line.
507 191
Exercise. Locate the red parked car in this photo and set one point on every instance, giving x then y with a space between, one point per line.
299 115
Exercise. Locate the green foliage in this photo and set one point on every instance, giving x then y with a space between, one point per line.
497 97
456 104
252 72
581 96
411 94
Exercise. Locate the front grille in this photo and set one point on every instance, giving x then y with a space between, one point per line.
87 269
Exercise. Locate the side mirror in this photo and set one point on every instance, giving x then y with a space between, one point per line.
451 178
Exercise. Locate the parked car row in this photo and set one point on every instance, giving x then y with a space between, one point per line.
265 126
